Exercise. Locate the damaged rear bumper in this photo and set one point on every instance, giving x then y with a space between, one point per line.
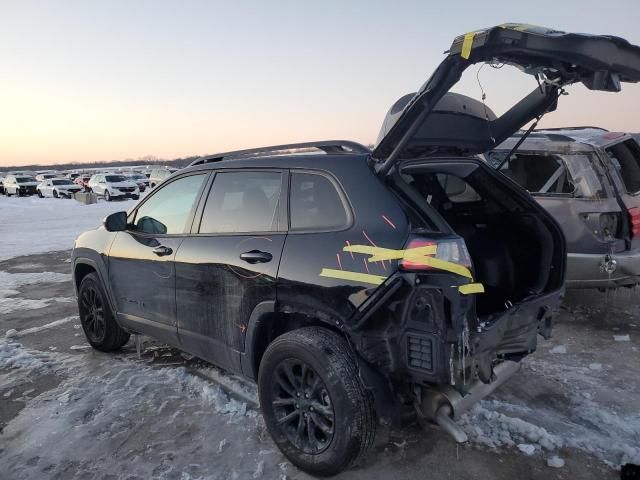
587 270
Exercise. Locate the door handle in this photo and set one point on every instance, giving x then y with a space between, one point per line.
256 256
162 251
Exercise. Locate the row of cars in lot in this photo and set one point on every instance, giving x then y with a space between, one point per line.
109 185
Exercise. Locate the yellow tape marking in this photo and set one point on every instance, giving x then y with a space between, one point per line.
467 43
378 253
354 276
418 255
520 27
471 288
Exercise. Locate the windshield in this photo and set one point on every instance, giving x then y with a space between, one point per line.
137 177
25 179
116 178
62 182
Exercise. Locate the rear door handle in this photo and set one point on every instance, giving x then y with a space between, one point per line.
162 251
256 256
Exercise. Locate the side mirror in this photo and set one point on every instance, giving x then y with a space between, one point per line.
116 222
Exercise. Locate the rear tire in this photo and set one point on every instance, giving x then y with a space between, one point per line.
40 194
55 194
313 401
98 322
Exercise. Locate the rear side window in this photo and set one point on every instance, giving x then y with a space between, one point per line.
553 174
625 157
242 202
168 210
315 203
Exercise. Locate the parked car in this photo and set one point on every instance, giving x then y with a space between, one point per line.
45 176
83 182
1 185
112 186
19 185
158 175
589 180
57 188
141 180
357 284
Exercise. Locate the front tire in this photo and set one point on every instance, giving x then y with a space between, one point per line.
313 401
98 322
40 194
107 196
55 194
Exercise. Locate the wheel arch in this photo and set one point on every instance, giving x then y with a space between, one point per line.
83 266
267 323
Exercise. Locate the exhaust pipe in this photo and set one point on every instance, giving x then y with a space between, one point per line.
445 405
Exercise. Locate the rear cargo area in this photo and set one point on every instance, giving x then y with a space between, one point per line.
516 248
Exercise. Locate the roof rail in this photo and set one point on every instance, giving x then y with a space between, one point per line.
586 127
327 146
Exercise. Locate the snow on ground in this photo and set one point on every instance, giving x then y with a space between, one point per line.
35 225
10 284
106 404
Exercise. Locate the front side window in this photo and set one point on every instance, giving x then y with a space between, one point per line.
315 203
243 202
168 210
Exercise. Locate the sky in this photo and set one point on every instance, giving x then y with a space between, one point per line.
108 80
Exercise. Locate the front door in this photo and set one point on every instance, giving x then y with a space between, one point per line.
228 267
141 259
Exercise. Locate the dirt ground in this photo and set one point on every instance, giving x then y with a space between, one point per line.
68 412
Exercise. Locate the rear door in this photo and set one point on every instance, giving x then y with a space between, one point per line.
228 267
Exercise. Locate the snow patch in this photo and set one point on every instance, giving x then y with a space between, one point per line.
50 224
555 462
622 338
559 349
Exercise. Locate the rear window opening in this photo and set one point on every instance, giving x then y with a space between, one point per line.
625 157
510 243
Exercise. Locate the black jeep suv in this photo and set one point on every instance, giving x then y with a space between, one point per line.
353 285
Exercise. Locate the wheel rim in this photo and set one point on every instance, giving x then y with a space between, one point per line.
302 406
92 313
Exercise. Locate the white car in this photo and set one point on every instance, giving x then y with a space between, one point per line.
58 188
41 177
110 186
19 185
158 175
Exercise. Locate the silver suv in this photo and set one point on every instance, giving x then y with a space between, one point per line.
589 179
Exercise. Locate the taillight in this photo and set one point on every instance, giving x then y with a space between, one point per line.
634 217
451 250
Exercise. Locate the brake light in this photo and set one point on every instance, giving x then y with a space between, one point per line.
634 217
451 250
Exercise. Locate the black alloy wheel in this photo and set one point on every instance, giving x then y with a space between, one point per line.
302 406
92 314
97 320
